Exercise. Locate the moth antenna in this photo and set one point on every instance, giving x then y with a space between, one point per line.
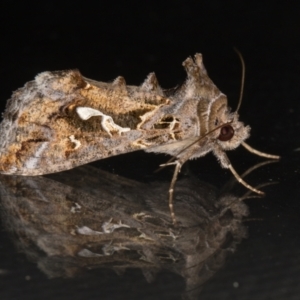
242 79
259 153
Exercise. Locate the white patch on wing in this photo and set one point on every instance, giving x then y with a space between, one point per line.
76 142
107 122
87 112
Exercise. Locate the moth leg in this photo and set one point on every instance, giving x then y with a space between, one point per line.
225 162
178 165
259 153
244 183
229 185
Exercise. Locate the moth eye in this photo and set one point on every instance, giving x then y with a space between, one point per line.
226 133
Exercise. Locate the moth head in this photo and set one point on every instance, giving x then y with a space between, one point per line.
232 133
224 125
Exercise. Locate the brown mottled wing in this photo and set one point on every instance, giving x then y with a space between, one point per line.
41 131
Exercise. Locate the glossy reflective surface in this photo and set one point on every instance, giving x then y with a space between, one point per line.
87 219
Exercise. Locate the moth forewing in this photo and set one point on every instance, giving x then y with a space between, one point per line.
62 120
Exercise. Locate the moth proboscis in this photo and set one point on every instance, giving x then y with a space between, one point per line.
62 120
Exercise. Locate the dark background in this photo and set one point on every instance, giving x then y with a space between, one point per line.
104 39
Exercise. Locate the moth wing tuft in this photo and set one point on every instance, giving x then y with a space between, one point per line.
120 84
151 85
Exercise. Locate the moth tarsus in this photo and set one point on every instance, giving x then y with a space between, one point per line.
62 120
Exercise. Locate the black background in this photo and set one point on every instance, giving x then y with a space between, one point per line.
104 39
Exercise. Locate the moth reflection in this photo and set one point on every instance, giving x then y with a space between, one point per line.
86 218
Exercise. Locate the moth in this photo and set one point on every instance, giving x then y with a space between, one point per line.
62 120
